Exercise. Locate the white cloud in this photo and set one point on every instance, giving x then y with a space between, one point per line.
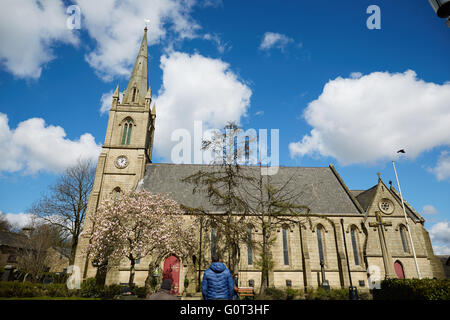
196 88
440 236
429 209
441 249
441 232
18 220
28 32
117 28
367 119
442 169
221 47
356 75
275 40
34 147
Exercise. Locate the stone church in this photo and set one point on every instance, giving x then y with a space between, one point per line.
358 235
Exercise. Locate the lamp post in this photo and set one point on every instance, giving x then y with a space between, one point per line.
406 218
442 9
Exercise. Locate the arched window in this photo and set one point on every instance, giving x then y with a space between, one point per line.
285 247
249 247
320 232
404 239
116 193
213 241
127 128
355 245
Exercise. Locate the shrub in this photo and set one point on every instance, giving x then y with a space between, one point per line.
141 292
20 289
322 294
274 294
339 294
58 290
111 291
413 289
293 294
89 289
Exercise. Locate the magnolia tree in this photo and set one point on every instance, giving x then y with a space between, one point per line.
140 224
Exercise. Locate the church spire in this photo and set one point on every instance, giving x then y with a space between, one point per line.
138 84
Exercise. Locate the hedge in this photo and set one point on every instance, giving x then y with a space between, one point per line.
311 294
89 289
28 290
413 289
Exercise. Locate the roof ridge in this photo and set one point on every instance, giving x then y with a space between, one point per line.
410 207
245 166
351 196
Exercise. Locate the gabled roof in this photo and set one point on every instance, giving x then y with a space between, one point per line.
319 188
12 239
63 251
408 208
365 198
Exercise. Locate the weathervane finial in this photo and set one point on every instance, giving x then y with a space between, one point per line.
147 21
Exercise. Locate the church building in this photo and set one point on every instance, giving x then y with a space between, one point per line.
354 236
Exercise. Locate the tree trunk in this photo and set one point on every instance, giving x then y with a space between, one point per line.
265 265
73 249
131 280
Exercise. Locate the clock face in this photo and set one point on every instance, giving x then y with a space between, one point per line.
121 162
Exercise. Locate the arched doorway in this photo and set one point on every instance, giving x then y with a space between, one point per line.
399 270
172 272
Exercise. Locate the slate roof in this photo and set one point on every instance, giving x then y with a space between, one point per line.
317 187
63 251
365 198
12 239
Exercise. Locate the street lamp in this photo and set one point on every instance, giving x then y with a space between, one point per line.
406 218
442 9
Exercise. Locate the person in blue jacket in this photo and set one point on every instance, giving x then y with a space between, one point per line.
217 281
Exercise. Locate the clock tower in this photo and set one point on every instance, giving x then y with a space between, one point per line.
127 148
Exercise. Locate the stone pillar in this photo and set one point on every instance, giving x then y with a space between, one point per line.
304 238
340 252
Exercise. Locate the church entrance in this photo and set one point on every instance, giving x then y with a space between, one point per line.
172 272
399 270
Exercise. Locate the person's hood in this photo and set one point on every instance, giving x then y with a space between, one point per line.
217 267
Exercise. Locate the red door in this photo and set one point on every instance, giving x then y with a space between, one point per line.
399 270
172 272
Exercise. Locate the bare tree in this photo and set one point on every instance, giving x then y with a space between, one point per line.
40 237
66 202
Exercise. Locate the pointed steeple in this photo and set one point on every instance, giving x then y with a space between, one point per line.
138 84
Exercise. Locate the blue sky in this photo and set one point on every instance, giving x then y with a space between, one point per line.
52 80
